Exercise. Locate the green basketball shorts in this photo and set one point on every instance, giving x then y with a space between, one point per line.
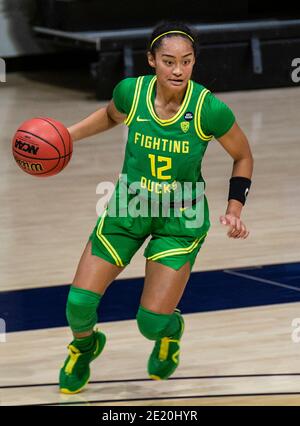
117 239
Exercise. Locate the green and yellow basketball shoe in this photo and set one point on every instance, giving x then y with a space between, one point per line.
164 358
75 372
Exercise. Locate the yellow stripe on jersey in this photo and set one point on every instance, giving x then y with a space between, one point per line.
198 127
174 252
185 103
106 243
135 102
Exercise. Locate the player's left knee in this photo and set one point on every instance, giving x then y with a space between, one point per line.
151 324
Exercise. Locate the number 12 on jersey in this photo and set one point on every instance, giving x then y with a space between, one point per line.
157 170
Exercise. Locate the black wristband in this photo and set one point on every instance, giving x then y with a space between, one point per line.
239 187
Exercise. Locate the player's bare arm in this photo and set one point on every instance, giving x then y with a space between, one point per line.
236 144
103 119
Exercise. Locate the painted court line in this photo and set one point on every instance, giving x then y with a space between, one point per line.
93 382
262 280
172 398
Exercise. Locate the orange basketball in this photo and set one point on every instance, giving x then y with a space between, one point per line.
42 146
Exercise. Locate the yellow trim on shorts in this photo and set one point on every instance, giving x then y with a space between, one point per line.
174 252
135 102
198 127
106 243
176 117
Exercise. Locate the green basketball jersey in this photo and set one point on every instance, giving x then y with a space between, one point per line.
163 154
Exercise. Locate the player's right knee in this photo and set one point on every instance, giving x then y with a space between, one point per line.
81 309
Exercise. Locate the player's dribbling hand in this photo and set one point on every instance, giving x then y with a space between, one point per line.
237 229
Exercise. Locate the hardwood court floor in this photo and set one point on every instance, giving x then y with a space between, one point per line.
231 357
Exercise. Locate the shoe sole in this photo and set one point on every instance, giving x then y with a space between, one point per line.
68 392
154 377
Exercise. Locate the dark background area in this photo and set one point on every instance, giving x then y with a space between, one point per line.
228 60
82 15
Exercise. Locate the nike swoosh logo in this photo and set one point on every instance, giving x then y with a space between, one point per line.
141 119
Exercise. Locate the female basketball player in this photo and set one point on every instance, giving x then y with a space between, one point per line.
171 119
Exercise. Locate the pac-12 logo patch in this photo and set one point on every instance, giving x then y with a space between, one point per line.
185 125
188 116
